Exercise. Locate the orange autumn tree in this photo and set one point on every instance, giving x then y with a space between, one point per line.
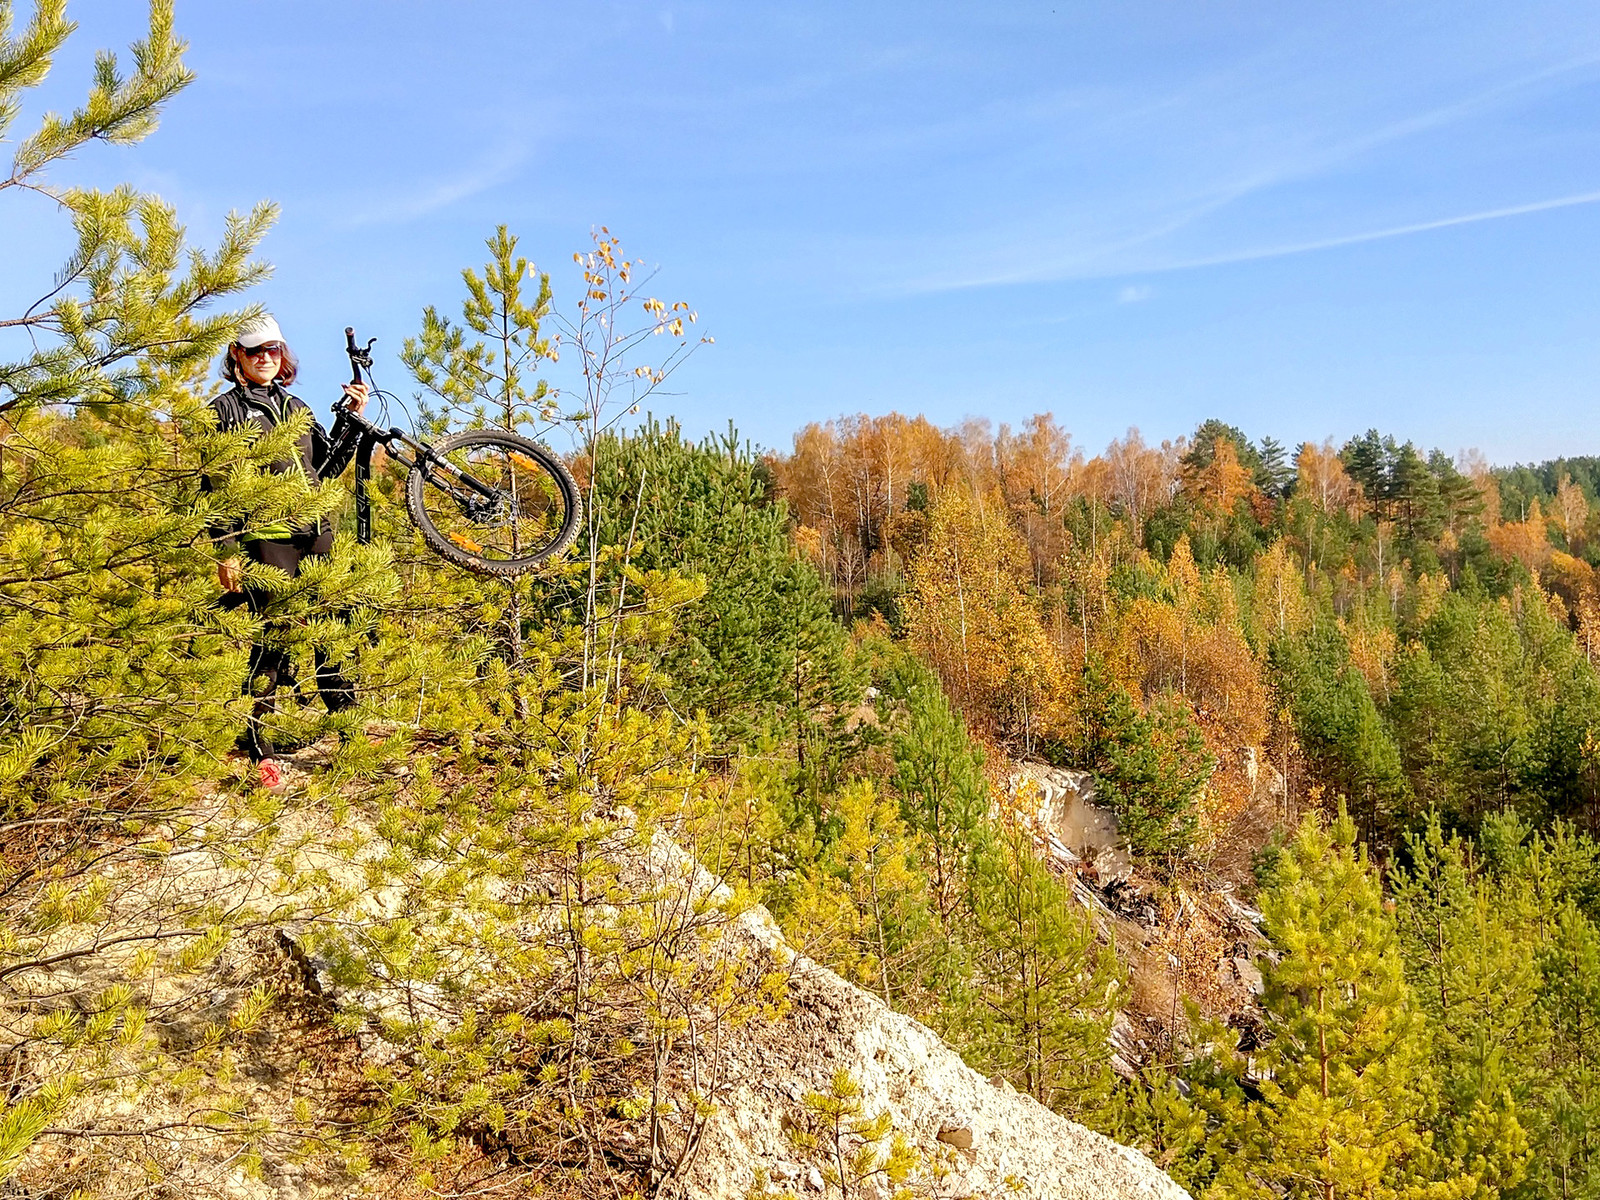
809 481
1578 586
850 485
1220 483
1190 645
1527 541
1192 642
1321 478
971 616
1038 468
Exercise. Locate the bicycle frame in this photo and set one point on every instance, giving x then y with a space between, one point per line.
421 454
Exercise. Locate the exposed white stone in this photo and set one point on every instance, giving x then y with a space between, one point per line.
1018 1147
1062 805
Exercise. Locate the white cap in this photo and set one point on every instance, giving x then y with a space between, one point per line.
258 332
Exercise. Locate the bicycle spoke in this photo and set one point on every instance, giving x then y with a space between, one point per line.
523 516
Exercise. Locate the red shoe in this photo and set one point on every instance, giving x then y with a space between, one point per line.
270 776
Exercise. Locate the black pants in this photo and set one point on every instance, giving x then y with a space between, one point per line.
271 665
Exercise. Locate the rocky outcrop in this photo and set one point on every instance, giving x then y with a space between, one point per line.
1078 833
756 1080
991 1139
979 1137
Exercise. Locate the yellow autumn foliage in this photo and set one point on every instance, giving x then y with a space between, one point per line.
971 615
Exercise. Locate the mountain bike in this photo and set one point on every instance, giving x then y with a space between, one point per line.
486 500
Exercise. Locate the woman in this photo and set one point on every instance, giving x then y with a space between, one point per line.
260 367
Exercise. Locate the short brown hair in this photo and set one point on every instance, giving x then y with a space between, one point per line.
288 366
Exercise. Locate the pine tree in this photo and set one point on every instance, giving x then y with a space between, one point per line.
1369 459
491 380
1338 722
1415 493
113 661
760 652
1046 990
1274 476
1204 444
865 908
849 1145
1465 944
1149 769
1547 882
119 675
1459 498
944 795
1346 1091
1570 1097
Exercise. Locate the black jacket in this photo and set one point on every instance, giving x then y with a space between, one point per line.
320 455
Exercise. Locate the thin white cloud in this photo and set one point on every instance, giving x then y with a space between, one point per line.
437 195
1105 256
1448 114
1081 268
1378 235
1134 293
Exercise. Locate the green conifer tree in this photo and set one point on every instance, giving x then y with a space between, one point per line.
1570 1098
1465 941
114 663
760 653
1148 768
1045 989
864 907
944 795
491 380
119 675
1346 1091
1275 475
1338 722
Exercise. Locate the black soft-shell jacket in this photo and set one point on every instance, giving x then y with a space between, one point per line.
320 455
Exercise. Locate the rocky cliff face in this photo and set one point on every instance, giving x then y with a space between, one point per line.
758 1132
975 1138
985 1138
1076 833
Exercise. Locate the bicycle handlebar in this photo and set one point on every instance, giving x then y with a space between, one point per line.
359 358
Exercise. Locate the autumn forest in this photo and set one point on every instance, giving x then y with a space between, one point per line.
1234 638
535 904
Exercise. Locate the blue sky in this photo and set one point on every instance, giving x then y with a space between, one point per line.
1305 219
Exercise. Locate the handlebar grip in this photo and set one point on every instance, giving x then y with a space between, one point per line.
354 352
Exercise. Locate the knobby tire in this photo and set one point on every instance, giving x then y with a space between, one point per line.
480 546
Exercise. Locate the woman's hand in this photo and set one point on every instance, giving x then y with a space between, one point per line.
228 572
355 397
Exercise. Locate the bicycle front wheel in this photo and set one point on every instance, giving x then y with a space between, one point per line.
494 503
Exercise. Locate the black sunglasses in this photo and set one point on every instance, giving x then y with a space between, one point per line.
274 348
